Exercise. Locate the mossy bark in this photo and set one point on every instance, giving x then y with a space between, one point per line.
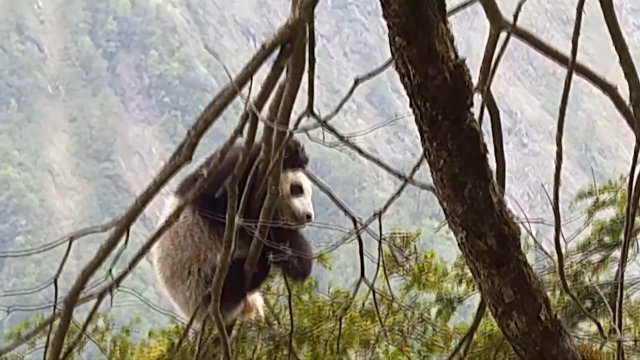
439 88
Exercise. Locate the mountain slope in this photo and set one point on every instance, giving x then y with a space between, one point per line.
94 96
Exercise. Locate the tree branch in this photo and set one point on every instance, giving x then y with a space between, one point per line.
624 55
229 244
557 228
492 11
494 34
179 158
438 85
633 83
295 70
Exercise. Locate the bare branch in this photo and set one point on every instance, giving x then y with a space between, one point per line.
485 78
493 36
295 70
71 237
292 351
487 58
496 19
558 168
55 293
356 83
464 345
498 141
311 71
364 154
28 335
633 83
624 55
363 226
232 188
229 244
169 221
181 156
633 196
361 79
340 204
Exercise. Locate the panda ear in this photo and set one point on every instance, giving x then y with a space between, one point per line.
295 156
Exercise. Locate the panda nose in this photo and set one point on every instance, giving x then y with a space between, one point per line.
308 217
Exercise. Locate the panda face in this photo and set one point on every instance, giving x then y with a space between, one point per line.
296 205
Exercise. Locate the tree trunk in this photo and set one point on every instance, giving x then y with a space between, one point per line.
439 88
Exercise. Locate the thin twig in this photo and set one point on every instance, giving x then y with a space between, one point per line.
197 189
232 197
291 322
228 246
492 11
361 79
630 214
171 218
630 182
28 335
55 295
185 332
356 83
633 83
373 159
229 240
558 168
250 115
493 35
363 226
71 237
465 343
485 67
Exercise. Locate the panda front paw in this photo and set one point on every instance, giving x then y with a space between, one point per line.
297 268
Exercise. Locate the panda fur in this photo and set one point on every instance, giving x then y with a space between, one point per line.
186 257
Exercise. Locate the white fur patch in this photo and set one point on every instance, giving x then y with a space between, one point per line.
253 308
297 206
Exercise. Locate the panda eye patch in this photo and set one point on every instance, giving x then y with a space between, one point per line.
296 190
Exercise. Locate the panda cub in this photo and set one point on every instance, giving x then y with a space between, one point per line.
186 257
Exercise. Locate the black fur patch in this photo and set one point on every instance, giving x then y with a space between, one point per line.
233 288
299 261
295 156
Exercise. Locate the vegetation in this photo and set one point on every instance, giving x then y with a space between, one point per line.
409 315
94 95
92 100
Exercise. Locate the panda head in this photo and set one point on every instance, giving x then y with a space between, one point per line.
295 206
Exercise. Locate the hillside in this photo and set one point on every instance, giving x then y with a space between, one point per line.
94 96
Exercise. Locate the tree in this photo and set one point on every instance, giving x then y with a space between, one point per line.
439 88
374 322
409 315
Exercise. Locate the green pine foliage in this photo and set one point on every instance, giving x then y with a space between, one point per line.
409 311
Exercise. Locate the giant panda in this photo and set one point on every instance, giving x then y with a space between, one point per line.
186 257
